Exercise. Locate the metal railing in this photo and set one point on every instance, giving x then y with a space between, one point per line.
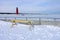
30 18
38 20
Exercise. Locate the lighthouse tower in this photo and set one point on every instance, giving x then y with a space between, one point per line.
17 10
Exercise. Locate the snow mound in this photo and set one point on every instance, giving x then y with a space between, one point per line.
22 32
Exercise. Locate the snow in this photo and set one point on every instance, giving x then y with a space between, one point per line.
22 32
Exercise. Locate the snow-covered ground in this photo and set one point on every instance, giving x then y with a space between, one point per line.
22 32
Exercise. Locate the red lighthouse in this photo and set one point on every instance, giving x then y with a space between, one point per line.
16 10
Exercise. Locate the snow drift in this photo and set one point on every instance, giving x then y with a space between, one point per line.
22 32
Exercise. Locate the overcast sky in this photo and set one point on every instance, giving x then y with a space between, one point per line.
30 6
